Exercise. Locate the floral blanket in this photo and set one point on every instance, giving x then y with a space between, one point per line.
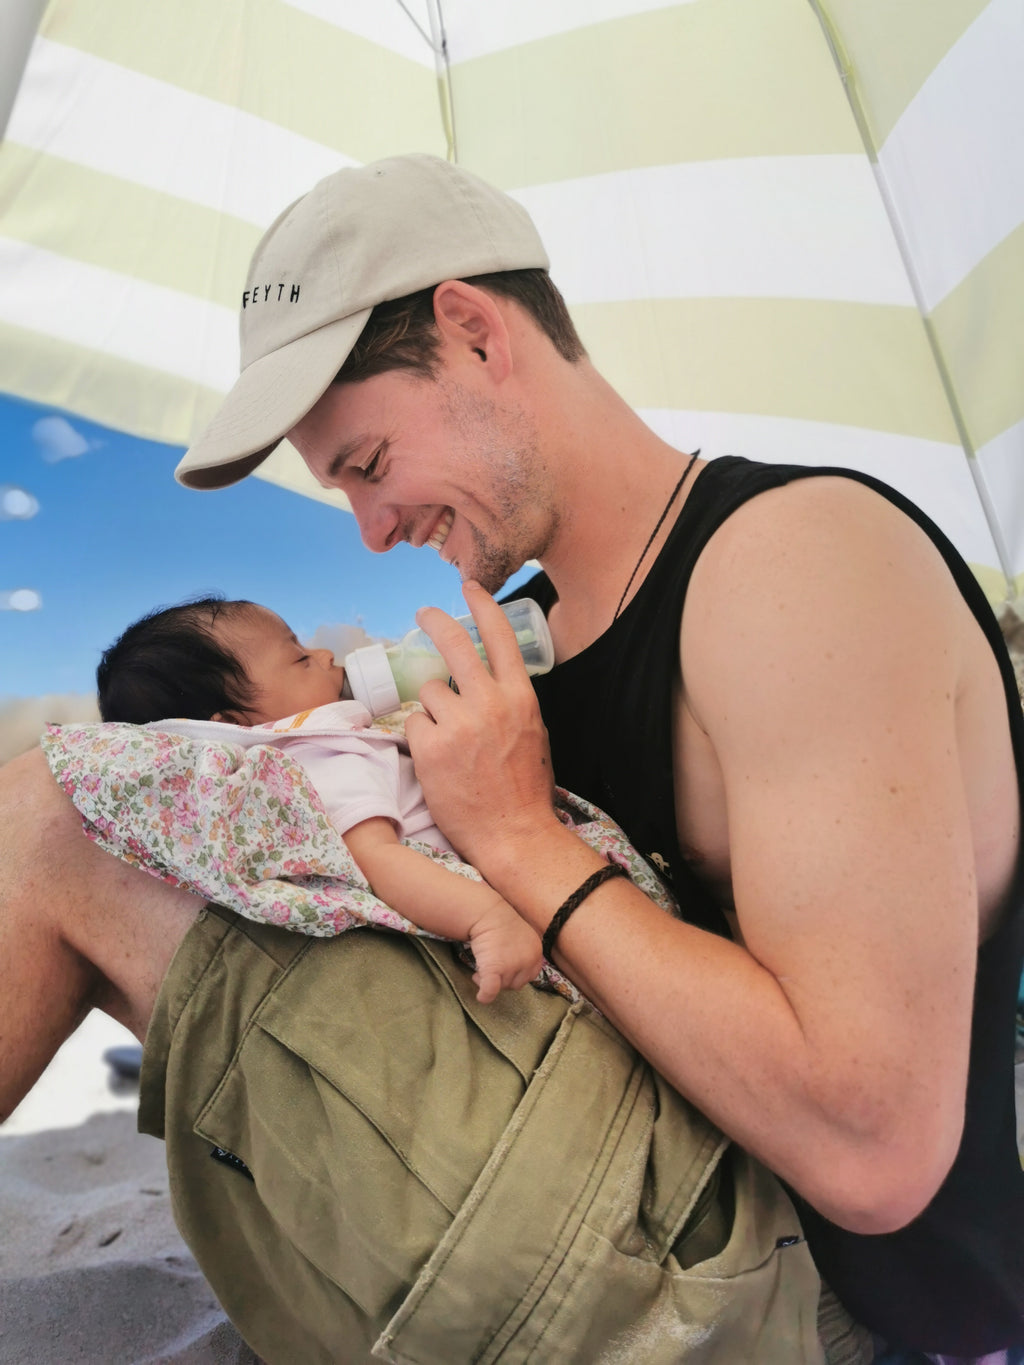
246 829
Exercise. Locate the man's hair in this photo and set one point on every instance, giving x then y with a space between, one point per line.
402 334
170 664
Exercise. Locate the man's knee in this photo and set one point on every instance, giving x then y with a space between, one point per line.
40 830
47 861
117 923
28 786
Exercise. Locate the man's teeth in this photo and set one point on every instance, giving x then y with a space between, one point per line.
440 532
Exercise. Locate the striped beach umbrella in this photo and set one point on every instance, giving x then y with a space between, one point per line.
790 229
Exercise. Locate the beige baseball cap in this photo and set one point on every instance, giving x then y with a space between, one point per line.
360 237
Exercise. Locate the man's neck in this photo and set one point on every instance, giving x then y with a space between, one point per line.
614 491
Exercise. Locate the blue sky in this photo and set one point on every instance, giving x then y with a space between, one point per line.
115 536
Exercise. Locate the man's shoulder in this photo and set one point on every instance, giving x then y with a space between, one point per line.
814 517
827 563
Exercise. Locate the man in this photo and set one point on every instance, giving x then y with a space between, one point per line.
817 749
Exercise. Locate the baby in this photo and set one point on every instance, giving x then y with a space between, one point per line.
239 664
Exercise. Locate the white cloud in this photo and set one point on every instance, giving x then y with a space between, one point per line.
21 599
58 440
17 504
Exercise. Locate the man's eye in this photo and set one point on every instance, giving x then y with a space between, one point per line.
370 470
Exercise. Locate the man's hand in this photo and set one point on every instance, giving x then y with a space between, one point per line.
482 754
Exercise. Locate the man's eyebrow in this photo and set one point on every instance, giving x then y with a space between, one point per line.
341 458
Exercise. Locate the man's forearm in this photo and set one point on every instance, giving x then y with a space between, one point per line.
751 1052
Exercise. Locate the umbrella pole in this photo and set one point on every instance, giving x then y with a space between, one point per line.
439 43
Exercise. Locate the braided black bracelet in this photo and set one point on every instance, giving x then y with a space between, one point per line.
573 902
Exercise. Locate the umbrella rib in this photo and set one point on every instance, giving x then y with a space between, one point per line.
416 24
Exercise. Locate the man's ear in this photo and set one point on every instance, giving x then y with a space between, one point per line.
472 327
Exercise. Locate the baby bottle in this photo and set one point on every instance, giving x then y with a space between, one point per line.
381 677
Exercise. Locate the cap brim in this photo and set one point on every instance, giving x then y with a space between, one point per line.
269 397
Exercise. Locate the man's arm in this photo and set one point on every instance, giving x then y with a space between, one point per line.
833 1042
506 949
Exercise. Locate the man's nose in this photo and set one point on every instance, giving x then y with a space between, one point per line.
378 521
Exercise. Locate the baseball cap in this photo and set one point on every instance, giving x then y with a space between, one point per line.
361 236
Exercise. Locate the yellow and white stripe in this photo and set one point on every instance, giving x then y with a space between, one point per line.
938 95
788 228
146 152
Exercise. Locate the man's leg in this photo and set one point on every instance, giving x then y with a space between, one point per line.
78 928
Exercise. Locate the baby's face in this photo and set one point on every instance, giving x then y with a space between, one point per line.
286 676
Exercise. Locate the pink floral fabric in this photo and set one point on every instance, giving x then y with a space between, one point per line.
245 828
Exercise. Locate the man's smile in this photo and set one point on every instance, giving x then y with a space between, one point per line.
439 535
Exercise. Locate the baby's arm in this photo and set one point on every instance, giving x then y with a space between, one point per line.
506 949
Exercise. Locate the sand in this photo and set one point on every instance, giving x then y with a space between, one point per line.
92 1269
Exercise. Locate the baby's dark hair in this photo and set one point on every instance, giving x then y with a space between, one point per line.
170 665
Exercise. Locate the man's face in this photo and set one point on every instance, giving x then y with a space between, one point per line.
433 462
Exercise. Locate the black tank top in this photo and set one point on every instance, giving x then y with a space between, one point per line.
953 1279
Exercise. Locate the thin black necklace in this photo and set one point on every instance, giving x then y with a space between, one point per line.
650 540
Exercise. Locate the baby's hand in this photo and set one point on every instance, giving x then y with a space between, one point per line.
506 949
